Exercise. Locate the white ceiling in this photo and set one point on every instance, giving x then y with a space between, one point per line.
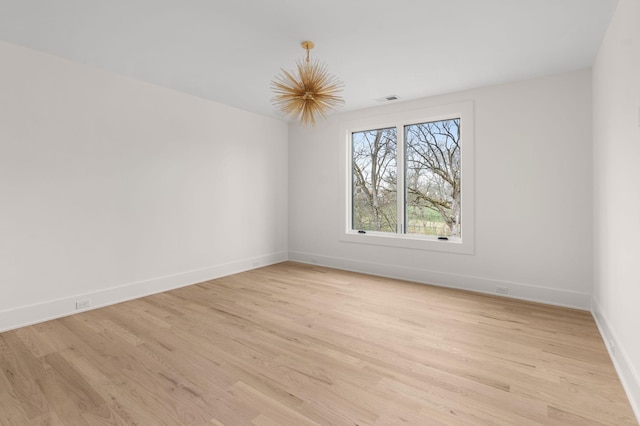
229 51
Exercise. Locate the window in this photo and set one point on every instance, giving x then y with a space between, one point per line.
374 187
410 180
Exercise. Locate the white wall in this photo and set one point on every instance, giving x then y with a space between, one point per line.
616 155
111 188
533 212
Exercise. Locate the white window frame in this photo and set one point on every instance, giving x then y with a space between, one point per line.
462 245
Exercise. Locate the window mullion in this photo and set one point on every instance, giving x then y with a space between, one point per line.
400 181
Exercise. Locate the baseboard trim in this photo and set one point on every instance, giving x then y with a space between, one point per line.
520 291
45 311
629 377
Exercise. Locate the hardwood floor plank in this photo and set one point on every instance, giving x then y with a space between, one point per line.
23 371
49 419
294 344
267 406
73 384
11 411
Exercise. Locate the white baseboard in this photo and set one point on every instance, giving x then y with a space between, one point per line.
32 314
624 367
520 291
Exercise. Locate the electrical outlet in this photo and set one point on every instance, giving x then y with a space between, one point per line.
502 290
83 304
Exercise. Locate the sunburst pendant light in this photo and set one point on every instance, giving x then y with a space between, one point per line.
310 92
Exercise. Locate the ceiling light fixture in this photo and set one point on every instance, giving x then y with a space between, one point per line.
309 93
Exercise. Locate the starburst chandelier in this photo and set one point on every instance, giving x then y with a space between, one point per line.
310 92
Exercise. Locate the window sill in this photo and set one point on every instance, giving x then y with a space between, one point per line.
453 245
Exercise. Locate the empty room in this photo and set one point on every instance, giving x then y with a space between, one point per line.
319 213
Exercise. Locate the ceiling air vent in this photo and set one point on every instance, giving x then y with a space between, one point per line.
389 98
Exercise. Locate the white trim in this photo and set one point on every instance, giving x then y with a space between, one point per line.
522 291
411 242
464 111
629 377
32 314
401 214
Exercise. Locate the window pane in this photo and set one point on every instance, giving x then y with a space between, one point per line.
374 180
432 177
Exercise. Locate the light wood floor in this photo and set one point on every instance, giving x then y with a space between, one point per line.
293 344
